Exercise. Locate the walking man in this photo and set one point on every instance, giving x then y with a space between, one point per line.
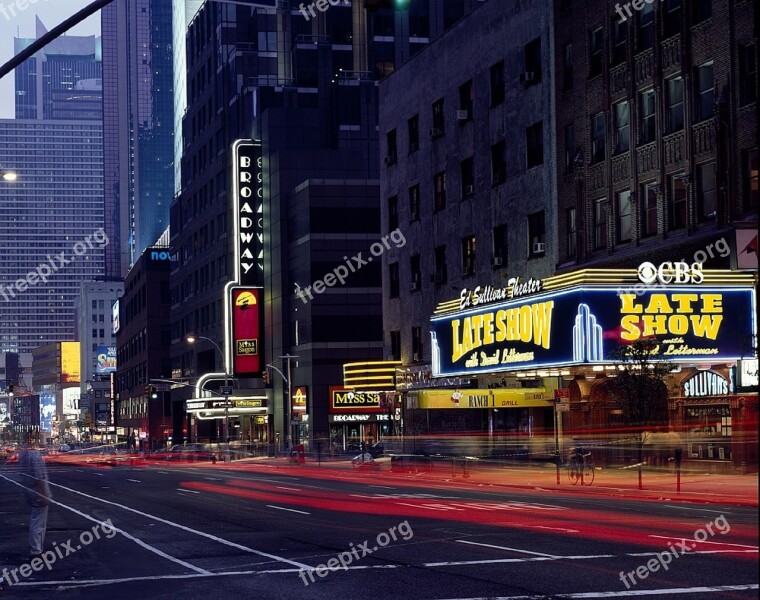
37 495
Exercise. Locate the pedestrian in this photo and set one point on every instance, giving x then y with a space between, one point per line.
37 495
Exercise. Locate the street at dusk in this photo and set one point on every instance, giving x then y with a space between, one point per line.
379 299
262 528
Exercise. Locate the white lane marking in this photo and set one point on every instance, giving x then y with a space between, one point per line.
163 472
696 552
188 491
667 537
289 509
506 548
184 528
494 561
383 487
616 593
129 536
675 506
98 474
134 480
282 487
213 479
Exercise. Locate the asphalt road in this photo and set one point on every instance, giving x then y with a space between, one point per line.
216 532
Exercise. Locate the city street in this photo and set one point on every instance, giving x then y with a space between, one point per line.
247 530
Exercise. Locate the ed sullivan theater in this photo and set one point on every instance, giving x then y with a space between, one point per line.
526 368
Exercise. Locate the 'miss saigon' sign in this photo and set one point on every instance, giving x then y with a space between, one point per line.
585 325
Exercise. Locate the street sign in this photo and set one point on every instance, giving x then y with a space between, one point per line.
162 387
226 390
220 404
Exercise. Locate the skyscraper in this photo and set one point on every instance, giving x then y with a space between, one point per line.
138 120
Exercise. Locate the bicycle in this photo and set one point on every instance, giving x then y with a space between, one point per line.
580 467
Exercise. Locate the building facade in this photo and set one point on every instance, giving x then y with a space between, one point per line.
138 120
55 379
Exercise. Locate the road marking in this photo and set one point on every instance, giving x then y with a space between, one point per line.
290 509
616 593
721 512
666 537
188 491
494 561
506 548
213 479
98 474
383 487
185 528
134 480
163 472
129 536
282 487
430 506
695 552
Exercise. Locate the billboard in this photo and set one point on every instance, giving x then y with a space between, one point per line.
105 359
47 411
70 362
585 325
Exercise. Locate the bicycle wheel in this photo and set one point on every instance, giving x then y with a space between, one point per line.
587 476
573 471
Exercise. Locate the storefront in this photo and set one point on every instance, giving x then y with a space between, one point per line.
356 417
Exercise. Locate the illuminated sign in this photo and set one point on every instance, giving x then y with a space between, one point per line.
705 383
348 400
115 326
106 359
249 213
160 255
481 398
70 362
670 272
358 418
246 330
481 295
299 396
585 325
748 373
248 403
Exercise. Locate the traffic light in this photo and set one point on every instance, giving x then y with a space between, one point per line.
374 5
151 391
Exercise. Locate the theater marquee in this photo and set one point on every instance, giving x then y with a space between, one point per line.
585 325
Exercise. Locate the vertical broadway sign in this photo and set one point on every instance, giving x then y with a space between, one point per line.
245 293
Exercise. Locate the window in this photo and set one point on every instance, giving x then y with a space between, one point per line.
468 255
441 271
645 27
415 269
395 345
677 202
416 343
414 203
467 176
391 143
701 10
648 124
750 178
532 62
572 233
622 126
414 133
675 104
497 83
500 246
438 120
534 138
439 188
596 52
598 138
705 91
706 194
393 280
747 75
623 216
567 67
499 162
619 40
392 213
600 223
465 99
673 17
536 235
569 149
649 209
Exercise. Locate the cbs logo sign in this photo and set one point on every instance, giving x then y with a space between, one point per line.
670 272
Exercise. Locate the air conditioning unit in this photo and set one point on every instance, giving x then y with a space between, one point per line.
498 261
469 190
435 132
415 285
416 357
463 115
539 248
528 77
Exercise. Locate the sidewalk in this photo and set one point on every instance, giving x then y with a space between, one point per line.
741 490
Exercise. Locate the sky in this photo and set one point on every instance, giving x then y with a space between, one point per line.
16 22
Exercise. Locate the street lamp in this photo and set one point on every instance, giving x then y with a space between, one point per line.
191 339
288 408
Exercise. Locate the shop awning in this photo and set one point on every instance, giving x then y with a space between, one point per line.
481 398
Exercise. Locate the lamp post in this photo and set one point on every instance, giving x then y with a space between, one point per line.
191 339
288 409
